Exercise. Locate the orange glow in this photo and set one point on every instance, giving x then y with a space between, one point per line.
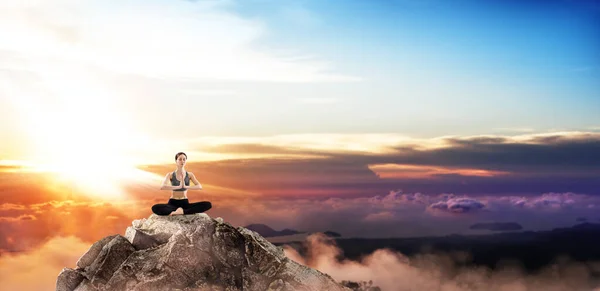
402 171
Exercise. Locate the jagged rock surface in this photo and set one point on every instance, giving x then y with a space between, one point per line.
189 252
360 286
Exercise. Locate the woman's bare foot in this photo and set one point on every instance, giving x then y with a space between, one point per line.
179 211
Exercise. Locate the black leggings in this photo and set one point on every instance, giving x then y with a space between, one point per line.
188 208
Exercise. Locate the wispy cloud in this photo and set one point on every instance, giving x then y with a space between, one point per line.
515 129
164 39
315 100
376 143
422 172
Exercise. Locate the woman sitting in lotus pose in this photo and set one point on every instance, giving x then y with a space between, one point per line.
180 183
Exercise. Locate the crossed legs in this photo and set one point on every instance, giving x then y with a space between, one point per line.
188 208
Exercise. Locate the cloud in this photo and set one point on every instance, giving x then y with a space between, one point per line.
31 213
373 164
312 195
21 217
39 268
164 39
395 214
510 153
315 100
15 166
399 171
36 223
552 201
393 271
11 206
380 216
458 205
402 214
515 129
338 191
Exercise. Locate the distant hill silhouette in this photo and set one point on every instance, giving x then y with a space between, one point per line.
497 226
330 233
266 231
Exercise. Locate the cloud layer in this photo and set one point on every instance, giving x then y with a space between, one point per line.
39 268
362 165
393 271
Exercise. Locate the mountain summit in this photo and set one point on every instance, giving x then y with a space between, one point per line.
189 252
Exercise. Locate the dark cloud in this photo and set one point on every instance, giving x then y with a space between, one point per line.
292 177
557 163
505 154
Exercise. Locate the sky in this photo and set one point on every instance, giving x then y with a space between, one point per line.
369 118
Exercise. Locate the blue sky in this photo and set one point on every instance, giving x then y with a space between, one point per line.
420 69
521 61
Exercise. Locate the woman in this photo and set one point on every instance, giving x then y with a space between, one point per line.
179 190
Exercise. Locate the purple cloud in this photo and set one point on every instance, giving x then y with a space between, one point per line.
458 205
550 201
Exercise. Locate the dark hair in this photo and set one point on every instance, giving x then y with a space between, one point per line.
179 154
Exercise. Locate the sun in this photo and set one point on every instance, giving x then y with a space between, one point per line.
93 161
91 171
75 131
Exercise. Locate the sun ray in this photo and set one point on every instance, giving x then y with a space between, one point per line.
75 130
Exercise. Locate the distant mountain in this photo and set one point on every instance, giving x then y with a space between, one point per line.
533 249
582 226
266 231
330 233
581 219
497 226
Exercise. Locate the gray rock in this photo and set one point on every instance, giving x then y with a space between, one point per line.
139 239
360 286
68 279
109 260
189 252
93 252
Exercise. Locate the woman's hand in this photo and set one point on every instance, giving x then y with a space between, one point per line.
181 179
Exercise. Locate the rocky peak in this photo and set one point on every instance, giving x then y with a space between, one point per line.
189 252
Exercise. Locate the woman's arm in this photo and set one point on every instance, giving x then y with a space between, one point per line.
197 185
165 185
